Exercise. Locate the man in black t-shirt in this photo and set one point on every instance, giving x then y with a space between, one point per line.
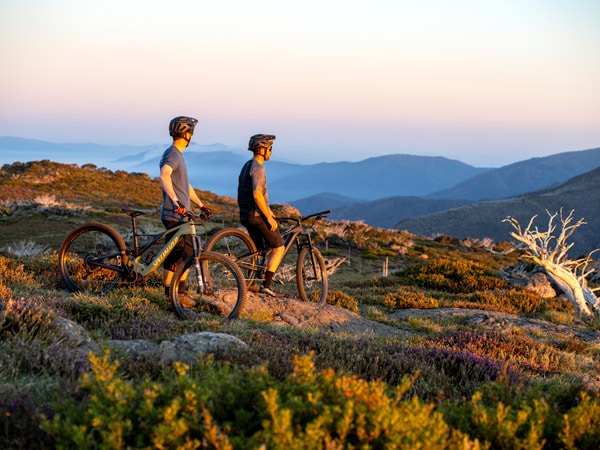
255 213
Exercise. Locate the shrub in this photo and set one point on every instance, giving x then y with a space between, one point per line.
457 276
308 410
409 297
343 300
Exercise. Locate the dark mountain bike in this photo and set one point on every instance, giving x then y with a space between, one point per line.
94 258
310 270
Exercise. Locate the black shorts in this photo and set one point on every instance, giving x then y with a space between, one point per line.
182 250
260 233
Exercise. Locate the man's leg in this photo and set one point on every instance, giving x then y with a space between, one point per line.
272 266
175 258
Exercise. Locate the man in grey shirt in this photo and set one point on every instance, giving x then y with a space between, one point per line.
177 196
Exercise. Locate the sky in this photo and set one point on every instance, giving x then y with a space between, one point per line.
486 82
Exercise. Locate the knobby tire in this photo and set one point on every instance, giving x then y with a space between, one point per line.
92 258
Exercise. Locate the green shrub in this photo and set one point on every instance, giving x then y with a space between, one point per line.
409 297
308 410
457 276
330 411
343 300
378 252
513 300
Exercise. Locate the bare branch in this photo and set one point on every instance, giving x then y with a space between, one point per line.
551 252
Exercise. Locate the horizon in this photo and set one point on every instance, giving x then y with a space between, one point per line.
200 148
488 84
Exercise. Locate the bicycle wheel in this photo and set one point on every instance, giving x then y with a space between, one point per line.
91 258
311 276
213 281
237 245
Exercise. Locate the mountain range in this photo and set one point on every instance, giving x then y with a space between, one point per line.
392 191
485 219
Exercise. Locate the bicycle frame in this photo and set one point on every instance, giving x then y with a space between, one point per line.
180 231
291 236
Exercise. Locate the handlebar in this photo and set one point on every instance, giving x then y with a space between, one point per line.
317 216
200 215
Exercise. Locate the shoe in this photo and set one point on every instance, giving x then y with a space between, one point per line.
269 292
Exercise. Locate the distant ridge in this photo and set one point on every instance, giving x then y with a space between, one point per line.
525 176
381 191
484 219
373 178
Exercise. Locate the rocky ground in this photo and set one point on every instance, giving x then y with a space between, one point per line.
291 311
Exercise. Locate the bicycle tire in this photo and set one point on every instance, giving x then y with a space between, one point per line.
216 284
312 281
235 244
92 258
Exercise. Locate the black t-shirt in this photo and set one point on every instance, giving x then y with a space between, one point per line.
252 177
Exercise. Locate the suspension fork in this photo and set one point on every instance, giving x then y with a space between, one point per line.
201 279
312 256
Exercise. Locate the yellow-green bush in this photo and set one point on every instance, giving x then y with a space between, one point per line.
308 410
409 297
457 276
343 300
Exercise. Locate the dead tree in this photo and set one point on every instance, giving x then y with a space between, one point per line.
551 253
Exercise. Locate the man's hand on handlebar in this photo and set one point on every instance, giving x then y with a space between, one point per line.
206 212
181 210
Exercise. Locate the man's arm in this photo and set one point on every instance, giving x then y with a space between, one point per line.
194 198
264 209
166 182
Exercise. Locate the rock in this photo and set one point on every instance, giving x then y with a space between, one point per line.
536 282
75 335
188 347
136 348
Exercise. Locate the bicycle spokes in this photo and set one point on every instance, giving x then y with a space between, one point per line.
214 282
91 260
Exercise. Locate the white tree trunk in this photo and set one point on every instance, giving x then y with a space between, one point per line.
569 284
550 252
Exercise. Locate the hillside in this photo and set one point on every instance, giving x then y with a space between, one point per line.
372 178
484 219
215 168
453 334
369 179
508 181
387 212
524 176
90 185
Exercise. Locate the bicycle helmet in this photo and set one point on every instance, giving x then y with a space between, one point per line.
181 125
260 143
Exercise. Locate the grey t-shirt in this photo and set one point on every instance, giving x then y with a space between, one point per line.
174 159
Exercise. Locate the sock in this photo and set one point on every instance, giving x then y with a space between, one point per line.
268 278
167 289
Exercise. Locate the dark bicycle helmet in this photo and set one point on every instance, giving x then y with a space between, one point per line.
181 125
260 142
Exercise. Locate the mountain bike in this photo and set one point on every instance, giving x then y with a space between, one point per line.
94 258
310 270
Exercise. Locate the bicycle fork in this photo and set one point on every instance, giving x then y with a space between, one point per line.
313 273
201 278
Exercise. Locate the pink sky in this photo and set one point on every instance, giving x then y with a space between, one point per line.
488 83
